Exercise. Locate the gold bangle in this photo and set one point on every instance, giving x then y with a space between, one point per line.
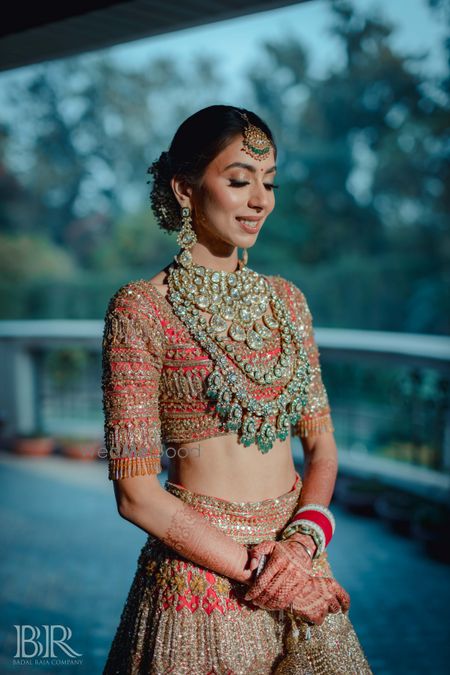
304 546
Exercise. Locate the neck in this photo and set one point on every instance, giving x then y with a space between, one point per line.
226 261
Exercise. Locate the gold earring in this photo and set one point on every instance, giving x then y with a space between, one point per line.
244 260
186 236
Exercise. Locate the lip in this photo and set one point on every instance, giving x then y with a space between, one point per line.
251 230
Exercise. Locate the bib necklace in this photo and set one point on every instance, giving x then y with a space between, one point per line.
243 298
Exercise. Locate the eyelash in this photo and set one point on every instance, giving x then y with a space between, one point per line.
241 183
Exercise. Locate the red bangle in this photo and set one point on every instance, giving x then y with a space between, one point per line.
319 519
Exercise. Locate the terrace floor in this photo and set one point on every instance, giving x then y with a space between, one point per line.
69 559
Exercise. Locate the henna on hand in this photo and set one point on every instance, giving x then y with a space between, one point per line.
288 581
318 597
192 536
287 565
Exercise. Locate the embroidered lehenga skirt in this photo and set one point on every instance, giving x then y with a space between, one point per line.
182 619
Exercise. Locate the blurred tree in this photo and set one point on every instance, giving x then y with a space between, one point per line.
363 164
31 257
361 217
83 133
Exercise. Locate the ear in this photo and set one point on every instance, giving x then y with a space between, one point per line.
182 191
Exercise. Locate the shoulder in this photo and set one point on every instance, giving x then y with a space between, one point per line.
286 288
138 298
294 299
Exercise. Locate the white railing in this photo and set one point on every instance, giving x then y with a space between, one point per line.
62 395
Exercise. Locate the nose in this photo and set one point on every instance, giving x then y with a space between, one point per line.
259 196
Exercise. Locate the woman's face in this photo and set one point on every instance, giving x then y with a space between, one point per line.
235 197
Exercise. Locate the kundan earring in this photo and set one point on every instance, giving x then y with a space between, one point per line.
186 236
244 260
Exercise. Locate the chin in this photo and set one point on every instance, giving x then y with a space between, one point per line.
247 240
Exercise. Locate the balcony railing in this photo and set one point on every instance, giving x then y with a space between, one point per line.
389 392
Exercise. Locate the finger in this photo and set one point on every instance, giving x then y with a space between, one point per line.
310 615
334 607
341 595
264 588
321 617
279 593
261 581
254 562
269 590
264 548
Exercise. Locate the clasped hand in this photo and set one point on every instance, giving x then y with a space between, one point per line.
287 582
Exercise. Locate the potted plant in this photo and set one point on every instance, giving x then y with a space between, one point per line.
33 444
80 447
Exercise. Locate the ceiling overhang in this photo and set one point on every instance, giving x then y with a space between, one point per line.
32 34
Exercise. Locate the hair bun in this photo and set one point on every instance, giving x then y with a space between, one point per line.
162 166
165 164
164 204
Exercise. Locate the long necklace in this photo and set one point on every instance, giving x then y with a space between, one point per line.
244 298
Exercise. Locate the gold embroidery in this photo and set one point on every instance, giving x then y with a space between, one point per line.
197 622
154 386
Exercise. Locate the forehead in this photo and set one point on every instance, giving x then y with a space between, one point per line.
234 152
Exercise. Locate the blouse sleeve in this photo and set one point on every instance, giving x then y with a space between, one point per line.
316 416
132 358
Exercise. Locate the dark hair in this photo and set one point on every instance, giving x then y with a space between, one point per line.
198 140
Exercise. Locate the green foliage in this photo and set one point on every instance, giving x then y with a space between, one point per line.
31 257
137 242
361 216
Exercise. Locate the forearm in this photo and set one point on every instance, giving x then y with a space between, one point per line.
319 476
188 533
320 471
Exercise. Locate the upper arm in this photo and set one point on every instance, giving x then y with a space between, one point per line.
132 358
316 415
134 491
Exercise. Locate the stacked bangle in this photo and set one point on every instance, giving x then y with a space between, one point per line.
315 520
310 553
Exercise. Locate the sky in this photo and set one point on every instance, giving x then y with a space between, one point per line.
236 42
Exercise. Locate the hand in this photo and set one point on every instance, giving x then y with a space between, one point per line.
266 547
285 571
191 535
318 597
292 584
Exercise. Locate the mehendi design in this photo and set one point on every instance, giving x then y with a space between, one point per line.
190 535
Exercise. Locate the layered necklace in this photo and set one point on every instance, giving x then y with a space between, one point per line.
247 300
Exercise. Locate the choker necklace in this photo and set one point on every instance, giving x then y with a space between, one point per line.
205 300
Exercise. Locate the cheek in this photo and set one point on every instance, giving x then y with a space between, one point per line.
226 200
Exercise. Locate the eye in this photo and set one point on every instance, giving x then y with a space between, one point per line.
271 186
238 183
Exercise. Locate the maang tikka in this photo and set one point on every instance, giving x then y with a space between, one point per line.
256 143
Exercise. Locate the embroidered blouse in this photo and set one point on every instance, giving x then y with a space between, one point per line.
154 374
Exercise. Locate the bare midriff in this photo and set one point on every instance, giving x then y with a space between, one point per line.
222 467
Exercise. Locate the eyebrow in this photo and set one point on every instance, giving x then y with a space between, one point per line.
249 167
